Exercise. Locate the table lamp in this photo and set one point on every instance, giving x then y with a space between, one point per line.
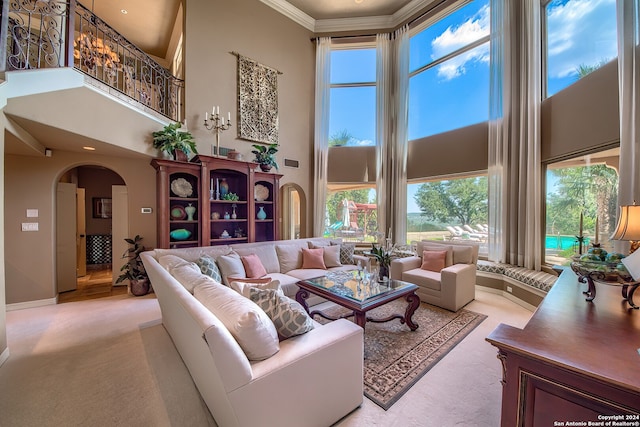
628 227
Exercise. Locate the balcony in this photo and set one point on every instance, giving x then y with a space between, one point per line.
54 34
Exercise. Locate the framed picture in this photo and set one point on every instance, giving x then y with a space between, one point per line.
101 207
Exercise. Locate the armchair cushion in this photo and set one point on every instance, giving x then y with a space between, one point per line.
433 260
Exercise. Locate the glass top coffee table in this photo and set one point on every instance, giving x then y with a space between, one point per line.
359 296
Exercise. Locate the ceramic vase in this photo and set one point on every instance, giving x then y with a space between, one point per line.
233 214
190 210
261 213
224 187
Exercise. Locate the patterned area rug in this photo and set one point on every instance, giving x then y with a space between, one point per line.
396 358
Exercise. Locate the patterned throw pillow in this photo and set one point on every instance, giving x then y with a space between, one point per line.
287 315
346 252
209 267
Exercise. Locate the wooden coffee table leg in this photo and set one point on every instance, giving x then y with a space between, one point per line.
301 297
360 318
413 301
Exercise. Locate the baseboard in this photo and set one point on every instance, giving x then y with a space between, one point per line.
4 356
32 304
508 296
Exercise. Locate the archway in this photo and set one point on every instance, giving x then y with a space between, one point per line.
89 199
294 212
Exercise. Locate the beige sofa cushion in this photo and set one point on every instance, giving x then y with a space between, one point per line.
248 323
189 277
230 265
289 256
266 253
425 278
462 254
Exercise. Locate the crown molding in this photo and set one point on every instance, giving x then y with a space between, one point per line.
348 24
292 12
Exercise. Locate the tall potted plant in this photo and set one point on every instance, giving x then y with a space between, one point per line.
384 256
178 143
133 270
265 156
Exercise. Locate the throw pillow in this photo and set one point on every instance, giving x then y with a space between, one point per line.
432 246
313 258
288 316
332 256
289 257
243 287
433 260
248 323
346 252
462 254
253 266
209 267
230 265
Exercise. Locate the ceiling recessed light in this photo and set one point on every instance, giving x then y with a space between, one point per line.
124 11
89 148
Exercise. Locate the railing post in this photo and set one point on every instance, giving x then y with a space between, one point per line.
71 21
4 34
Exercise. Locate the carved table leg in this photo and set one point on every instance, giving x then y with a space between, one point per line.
414 303
301 297
627 293
591 290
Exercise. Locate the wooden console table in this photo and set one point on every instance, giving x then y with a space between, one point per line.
574 361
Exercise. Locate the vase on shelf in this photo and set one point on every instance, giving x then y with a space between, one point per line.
261 213
226 215
190 210
233 214
224 187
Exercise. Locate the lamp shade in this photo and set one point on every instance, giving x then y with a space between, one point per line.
628 227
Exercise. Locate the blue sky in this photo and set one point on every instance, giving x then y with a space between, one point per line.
455 93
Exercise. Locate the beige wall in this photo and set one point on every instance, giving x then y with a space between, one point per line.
31 184
213 29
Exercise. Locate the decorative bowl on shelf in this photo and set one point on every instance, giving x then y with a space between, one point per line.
261 193
181 187
180 234
178 212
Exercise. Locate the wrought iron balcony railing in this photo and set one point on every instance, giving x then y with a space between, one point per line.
37 34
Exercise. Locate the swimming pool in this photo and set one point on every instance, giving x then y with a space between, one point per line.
562 243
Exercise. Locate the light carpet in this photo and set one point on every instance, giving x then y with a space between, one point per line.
395 357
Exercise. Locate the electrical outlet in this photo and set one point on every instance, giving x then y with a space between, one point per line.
509 289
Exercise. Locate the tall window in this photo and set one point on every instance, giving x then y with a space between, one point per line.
351 209
449 80
580 38
452 209
589 186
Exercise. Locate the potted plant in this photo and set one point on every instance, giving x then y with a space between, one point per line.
178 143
265 156
133 270
384 256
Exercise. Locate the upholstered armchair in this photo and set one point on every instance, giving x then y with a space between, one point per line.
445 273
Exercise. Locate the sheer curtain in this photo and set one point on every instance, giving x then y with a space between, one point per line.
321 132
629 84
515 190
398 171
384 82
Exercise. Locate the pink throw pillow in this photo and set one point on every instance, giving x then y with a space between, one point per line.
253 266
313 258
433 260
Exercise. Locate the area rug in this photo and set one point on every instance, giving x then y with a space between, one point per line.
396 358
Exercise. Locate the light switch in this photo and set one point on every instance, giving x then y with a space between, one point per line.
29 226
32 213
146 210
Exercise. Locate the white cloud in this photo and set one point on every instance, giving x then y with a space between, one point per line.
580 32
455 37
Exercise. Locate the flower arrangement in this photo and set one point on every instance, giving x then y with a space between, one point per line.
384 256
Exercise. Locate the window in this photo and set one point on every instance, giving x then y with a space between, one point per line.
452 209
589 186
352 213
449 81
580 38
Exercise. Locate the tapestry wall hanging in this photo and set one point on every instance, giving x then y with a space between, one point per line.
257 101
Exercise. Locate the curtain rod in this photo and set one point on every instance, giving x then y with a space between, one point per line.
234 53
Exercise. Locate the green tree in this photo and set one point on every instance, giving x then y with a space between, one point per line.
461 200
340 139
584 69
591 190
334 204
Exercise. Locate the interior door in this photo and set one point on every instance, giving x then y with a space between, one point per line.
81 234
119 228
66 237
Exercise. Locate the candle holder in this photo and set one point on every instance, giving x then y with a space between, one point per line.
216 124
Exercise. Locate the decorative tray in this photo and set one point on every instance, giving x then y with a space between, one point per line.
178 212
181 187
261 193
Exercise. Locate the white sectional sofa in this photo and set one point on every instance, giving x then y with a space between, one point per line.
313 380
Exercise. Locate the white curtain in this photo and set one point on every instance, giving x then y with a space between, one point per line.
321 132
384 82
398 172
515 191
629 84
